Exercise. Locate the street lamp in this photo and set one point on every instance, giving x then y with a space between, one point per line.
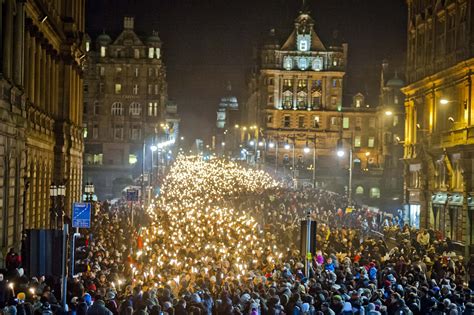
153 149
388 113
444 101
341 153
53 215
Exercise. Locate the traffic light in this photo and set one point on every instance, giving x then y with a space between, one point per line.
81 253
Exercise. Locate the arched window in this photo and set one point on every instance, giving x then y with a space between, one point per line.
359 190
135 109
117 109
375 193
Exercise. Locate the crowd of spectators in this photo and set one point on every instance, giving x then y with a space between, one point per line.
366 263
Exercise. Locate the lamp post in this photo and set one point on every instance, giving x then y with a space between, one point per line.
306 150
61 195
341 153
89 192
275 145
153 148
53 215
287 147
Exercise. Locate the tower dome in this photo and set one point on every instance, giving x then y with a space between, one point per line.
395 82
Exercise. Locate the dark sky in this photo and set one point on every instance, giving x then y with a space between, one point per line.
209 42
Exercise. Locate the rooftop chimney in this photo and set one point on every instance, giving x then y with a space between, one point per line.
128 23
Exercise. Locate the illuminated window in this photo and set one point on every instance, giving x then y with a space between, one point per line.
135 109
345 123
118 88
118 70
85 130
288 63
287 100
269 119
136 53
359 190
371 142
135 89
88 46
132 159
315 122
151 52
375 193
136 72
117 109
358 102
153 109
357 142
102 51
303 63
157 50
317 64
300 121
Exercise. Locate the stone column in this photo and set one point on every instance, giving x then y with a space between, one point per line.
37 78
31 68
8 40
47 79
26 62
42 79
19 43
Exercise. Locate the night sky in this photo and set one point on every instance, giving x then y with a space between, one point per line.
209 42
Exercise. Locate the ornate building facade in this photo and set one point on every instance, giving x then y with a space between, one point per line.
439 117
41 138
125 106
295 102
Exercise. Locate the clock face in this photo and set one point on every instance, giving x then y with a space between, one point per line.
303 63
288 63
303 42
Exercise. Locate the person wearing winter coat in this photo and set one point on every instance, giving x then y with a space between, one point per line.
98 308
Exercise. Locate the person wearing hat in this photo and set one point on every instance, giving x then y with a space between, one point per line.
110 302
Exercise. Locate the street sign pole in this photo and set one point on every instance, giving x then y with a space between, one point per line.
63 267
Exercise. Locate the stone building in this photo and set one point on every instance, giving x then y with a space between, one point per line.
391 118
41 139
439 118
295 106
125 108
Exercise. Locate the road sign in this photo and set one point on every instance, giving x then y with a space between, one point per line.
132 194
81 215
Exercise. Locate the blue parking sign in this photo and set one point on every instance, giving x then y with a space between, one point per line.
81 215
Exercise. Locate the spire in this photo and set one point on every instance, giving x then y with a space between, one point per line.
304 6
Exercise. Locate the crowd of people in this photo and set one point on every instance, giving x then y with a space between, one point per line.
222 240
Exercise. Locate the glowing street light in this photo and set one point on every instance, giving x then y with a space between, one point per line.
306 149
388 113
153 148
260 143
444 101
340 153
252 142
271 145
287 146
